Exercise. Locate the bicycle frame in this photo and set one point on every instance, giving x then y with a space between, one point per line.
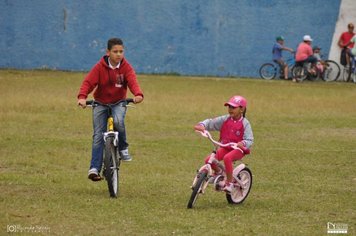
271 69
290 62
110 122
111 131
111 159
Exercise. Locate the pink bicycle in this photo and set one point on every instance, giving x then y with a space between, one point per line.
205 175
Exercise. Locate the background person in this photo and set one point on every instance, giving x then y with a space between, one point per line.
352 55
304 54
344 42
110 78
277 57
353 50
320 64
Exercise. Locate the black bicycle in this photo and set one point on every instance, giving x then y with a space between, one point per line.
349 71
111 155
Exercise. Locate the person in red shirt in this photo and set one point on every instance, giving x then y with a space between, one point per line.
344 42
110 77
345 38
233 127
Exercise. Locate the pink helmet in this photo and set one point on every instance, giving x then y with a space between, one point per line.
237 101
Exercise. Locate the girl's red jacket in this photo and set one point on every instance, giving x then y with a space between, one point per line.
111 84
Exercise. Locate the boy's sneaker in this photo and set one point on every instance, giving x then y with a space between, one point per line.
93 174
125 156
228 187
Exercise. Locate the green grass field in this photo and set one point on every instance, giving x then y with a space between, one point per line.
303 159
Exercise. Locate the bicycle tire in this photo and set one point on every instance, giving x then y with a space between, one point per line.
111 170
239 195
300 73
202 178
332 71
268 71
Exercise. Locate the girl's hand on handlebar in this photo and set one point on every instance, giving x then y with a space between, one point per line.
82 103
138 99
240 144
199 127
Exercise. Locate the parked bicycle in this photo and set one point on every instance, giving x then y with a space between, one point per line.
242 177
349 71
270 70
111 155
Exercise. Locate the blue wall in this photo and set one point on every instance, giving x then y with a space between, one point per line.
188 37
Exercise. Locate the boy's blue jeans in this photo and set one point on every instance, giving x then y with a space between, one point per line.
100 117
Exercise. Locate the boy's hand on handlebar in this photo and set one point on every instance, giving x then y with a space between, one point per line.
138 99
82 103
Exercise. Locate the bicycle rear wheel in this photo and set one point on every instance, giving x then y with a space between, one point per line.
240 193
332 71
111 167
201 180
268 71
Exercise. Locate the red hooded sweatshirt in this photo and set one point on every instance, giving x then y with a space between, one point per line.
111 84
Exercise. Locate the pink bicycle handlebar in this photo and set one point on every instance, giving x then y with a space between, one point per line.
232 145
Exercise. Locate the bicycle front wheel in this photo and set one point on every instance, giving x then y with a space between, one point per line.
300 73
240 193
111 170
268 71
332 71
346 74
197 188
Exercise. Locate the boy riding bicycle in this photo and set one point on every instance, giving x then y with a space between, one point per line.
277 49
110 78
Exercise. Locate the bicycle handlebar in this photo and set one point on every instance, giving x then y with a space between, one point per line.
94 103
234 146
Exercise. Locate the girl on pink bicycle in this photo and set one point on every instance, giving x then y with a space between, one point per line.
233 127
